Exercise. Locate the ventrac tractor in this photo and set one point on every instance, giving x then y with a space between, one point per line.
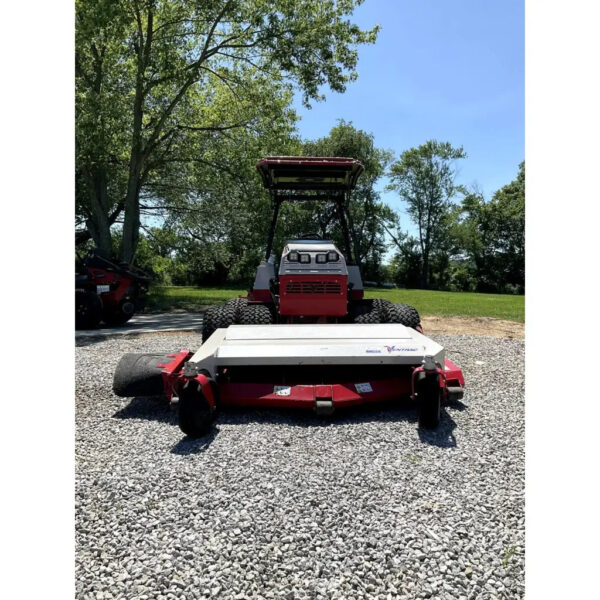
304 336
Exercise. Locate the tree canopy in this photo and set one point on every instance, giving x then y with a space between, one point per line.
177 100
158 80
424 177
492 235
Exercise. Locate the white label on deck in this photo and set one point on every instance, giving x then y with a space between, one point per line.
363 388
282 390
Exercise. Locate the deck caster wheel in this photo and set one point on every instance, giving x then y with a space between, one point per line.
196 415
429 393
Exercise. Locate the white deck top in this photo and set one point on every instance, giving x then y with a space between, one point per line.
245 345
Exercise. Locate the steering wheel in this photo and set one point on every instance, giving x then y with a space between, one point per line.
310 236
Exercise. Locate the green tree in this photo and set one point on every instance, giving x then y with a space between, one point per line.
147 73
492 235
424 179
367 214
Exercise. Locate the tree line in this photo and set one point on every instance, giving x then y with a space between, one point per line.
177 100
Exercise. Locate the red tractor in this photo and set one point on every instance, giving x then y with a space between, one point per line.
316 282
304 336
106 291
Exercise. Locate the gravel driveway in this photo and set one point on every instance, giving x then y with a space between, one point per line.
282 504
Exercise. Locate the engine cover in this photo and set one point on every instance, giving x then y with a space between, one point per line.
313 295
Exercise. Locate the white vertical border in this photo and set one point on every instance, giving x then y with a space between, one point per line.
37 258
562 298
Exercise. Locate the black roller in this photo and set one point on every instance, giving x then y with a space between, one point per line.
139 375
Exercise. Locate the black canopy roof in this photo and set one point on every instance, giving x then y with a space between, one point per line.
332 175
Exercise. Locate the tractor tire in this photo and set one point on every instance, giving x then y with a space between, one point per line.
140 375
211 321
88 309
219 317
256 314
238 305
429 393
366 313
119 314
384 309
405 315
196 416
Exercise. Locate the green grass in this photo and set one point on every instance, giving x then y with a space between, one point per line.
500 306
161 298
467 304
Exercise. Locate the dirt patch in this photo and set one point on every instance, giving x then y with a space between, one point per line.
473 326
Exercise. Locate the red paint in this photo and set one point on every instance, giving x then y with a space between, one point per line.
300 161
262 296
313 295
454 376
301 396
171 373
206 389
304 396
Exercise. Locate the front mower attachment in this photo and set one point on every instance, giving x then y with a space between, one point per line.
320 367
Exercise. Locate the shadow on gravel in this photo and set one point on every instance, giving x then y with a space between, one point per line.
151 408
396 411
188 445
88 340
443 436
363 413
156 409
457 405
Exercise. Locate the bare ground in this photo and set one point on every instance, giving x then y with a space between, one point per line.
473 326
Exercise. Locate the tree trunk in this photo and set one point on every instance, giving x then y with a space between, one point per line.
98 222
354 237
425 271
131 222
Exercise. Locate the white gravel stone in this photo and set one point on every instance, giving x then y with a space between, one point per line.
282 504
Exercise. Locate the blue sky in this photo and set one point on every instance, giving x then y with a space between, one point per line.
446 69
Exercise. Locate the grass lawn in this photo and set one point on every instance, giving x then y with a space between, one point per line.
500 306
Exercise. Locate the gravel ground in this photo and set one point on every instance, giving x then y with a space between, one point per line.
281 504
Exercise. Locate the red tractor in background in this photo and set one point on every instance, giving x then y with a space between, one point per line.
106 291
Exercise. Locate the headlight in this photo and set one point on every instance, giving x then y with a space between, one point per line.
333 257
321 258
305 258
293 256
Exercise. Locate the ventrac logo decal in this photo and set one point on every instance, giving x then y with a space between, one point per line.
391 349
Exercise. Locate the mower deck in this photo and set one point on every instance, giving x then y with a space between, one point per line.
313 366
324 344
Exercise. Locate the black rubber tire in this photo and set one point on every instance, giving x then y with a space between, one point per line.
228 314
429 393
366 312
139 375
222 316
210 321
238 305
88 309
384 309
404 314
118 315
196 416
256 314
